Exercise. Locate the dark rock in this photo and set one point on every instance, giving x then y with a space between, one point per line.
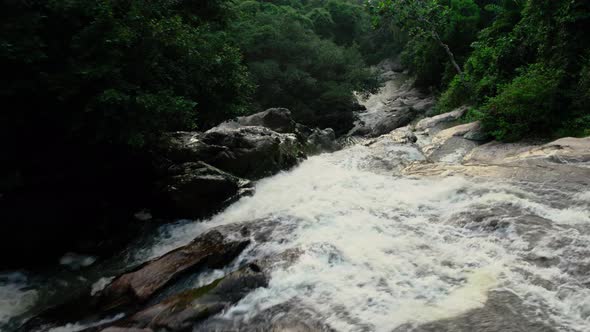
196 190
322 140
277 119
181 311
184 146
125 329
394 119
249 152
253 152
209 250
131 290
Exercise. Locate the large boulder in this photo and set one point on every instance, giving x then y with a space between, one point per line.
450 145
210 250
277 119
181 147
180 312
132 290
317 140
253 152
392 120
196 190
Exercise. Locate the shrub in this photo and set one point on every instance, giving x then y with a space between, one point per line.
529 105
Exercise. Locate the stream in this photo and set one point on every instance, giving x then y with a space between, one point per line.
351 243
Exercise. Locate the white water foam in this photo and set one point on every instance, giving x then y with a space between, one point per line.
379 250
15 296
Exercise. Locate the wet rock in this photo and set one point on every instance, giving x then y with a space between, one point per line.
291 316
277 119
181 311
449 145
393 120
503 311
131 290
440 119
321 140
209 250
125 329
253 152
196 190
402 135
184 146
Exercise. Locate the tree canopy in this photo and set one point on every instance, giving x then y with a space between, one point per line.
522 65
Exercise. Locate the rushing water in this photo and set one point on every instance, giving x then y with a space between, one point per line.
356 246
367 249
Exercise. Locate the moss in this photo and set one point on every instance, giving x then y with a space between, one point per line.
185 298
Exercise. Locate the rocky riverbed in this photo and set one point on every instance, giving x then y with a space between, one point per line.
418 223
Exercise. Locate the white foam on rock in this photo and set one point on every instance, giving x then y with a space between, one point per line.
15 295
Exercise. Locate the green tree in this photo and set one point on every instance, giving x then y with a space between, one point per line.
296 63
118 72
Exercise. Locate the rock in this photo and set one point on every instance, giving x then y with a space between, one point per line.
563 150
249 152
401 135
290 316
423 105
449 145
476 133
440 119
181 311
503 311
184 146
133 289
209 250
253 152
393 120
125 329
277 119
196 190
493 153
321 140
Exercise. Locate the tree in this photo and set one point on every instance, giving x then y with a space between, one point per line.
421 19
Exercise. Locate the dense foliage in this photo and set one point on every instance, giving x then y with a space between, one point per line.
121 72
306 56
522 65
118 71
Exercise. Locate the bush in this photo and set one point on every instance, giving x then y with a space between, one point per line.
529 105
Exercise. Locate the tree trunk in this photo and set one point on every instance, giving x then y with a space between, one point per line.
450 55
